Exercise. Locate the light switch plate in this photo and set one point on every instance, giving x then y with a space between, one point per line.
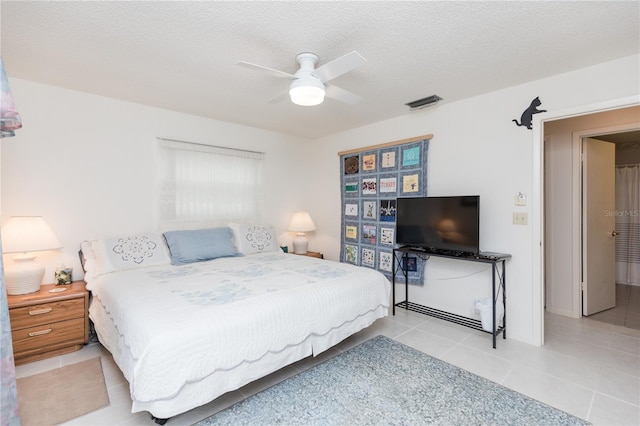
520 218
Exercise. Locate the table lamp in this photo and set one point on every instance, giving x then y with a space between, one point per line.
300 223
24 235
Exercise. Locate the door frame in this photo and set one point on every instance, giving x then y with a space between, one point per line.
537 200
577 206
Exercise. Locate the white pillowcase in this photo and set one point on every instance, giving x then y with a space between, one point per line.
87 258
130 252
250 239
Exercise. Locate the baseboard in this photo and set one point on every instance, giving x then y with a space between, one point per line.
561 312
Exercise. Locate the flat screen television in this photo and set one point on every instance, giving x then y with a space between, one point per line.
439 224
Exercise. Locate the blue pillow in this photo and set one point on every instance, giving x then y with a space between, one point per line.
198 245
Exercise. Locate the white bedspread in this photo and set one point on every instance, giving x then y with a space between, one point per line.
181 324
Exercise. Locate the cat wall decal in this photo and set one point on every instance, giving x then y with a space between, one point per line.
527 116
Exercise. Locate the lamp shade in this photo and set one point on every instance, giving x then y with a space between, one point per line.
301 222
23 234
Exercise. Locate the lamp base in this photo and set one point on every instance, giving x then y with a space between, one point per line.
24 275
300 243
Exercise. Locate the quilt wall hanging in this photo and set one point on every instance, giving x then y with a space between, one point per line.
371 179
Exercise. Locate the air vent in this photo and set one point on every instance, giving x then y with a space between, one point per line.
424 102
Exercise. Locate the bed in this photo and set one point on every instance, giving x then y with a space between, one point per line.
191 315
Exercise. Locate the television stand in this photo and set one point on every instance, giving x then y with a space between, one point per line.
498 270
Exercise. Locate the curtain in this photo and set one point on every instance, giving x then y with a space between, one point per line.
9 415
202 185
628 224
9 117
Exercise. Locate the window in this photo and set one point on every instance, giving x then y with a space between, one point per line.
203 184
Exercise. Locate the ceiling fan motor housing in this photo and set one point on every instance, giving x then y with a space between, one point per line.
307 89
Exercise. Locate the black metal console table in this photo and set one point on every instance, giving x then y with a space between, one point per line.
497 260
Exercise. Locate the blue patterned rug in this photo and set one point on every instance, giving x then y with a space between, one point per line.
383 382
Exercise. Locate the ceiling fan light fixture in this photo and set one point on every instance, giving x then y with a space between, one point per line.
308 85
306 92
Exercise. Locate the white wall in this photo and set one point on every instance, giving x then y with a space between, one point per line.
476 149
88 165
558 163
627 156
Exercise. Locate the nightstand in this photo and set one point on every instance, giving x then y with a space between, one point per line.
312 254
46 324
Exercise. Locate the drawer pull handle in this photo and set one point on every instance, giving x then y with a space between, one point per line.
40 311
41 332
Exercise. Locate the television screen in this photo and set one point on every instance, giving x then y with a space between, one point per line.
447 224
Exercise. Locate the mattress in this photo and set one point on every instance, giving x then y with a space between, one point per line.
184 335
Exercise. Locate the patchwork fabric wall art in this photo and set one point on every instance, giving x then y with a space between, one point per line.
371 180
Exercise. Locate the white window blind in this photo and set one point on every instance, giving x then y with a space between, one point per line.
203 184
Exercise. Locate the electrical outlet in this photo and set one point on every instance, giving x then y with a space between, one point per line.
520 218
520 199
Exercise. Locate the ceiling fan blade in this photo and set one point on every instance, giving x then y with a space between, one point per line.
339 66
275 73
341 95
279 97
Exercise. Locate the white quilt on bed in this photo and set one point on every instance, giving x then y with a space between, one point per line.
182 323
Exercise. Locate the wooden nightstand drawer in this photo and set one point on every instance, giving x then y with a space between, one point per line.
31 316
49 322
48 336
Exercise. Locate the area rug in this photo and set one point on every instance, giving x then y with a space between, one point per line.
59 395
383 382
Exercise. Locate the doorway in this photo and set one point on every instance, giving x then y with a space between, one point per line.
539 227
626 312
562 178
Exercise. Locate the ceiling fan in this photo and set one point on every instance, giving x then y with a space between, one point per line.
309 84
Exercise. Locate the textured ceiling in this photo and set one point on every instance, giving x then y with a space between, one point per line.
181 55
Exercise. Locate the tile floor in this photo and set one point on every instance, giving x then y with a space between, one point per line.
627 310
588 368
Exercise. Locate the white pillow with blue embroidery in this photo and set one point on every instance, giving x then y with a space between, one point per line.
250 239
130 252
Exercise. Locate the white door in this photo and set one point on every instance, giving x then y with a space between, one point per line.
598 226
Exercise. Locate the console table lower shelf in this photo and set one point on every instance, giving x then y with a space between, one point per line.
498 284
447 316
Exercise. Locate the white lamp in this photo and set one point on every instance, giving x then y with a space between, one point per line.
300 223
24 235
